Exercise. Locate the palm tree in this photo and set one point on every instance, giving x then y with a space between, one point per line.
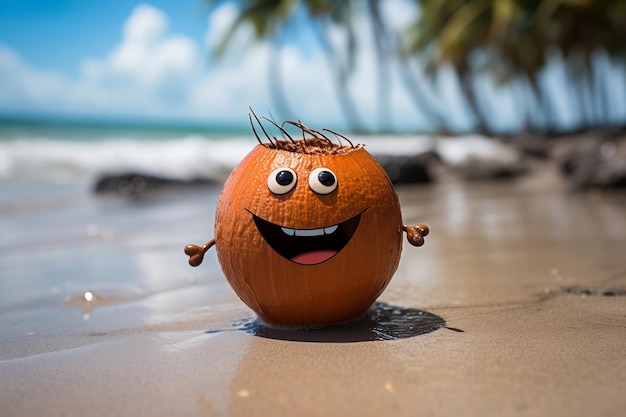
506 41
516 36
269 17
444 34
341 62
266 18
472 36
581 31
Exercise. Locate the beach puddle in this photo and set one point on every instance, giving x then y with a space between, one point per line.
381 322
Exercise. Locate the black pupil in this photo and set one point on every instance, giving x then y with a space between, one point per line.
284 178
326 178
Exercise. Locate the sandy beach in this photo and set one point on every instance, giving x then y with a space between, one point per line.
519 292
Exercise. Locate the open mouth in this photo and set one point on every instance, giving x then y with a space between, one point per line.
307 246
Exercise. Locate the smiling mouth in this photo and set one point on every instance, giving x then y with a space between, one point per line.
307 246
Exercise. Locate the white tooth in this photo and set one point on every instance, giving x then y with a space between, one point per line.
331 229
288 231
309 232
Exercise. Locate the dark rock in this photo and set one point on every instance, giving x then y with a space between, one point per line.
531 145
409 169
480 158
599 162
132 184
490 169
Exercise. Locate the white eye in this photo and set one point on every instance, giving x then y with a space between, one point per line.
281 180
322 180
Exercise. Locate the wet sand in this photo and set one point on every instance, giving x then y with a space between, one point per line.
528 281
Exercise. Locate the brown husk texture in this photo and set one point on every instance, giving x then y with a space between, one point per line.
283 292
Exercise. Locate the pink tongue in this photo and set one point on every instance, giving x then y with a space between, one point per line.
314 257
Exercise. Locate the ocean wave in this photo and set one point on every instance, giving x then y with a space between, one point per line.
41 159
188 157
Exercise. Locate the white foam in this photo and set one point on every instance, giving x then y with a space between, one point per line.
60 160
193 156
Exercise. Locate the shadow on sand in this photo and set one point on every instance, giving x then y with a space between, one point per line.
381 322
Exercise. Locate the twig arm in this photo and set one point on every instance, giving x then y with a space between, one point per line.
416 234
196 253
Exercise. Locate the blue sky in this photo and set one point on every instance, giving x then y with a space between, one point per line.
58 34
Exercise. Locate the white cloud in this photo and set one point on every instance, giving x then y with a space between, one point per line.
145 25
150 73
401 13
147 55
219 23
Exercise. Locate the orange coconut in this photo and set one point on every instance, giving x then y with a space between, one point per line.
307 253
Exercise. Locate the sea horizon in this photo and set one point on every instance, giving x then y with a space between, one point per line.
95 128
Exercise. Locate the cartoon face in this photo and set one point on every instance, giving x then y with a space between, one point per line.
308 238
305 246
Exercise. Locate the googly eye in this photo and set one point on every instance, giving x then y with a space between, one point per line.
281 180
322 180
